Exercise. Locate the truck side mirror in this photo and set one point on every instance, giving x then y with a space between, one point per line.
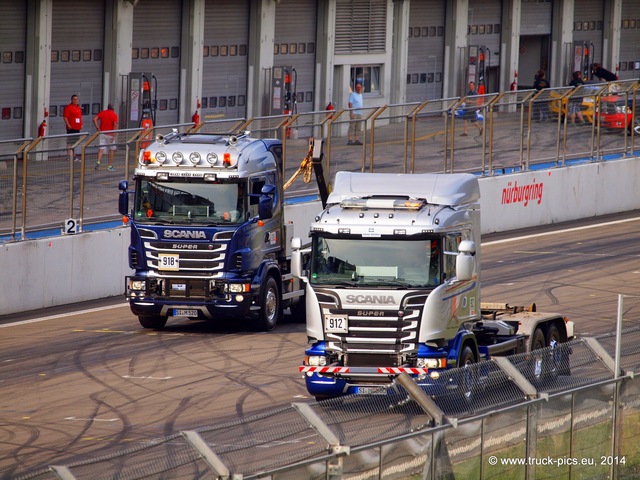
265 204
466 260
123 198
296 257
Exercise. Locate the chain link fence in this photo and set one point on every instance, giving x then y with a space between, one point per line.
41 186
554 413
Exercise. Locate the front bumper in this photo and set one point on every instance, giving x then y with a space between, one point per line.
191 298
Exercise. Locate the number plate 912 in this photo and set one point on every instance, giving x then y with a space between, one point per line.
336 323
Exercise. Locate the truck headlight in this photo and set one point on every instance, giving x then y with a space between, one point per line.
431 362
136 285
239 287
316 360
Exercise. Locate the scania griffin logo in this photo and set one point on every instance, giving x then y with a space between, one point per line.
194 235
370 299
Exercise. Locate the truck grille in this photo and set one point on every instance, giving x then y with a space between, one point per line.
197 259
376 334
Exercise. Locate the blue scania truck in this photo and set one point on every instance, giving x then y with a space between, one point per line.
209 233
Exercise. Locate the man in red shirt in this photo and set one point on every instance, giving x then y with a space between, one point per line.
105 121
73 121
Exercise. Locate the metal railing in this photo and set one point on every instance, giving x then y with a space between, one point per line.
557 413
41 187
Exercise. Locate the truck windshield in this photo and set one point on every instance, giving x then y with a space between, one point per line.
189 201
375 262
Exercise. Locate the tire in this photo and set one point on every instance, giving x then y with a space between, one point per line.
538 340
469 376
299 311
270 306
545 365
553 335
152 321
560 356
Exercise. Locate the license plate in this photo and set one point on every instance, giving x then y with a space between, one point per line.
181 287
372 390
336 323
168 261
178 312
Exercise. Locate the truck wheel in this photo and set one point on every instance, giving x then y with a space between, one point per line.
537 340
553 335
299 311
270 306
469 375
560 354
152 321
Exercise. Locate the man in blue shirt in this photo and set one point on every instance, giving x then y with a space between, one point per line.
356 102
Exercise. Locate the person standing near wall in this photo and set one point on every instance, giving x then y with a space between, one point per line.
105 121
541 112
356 102
602 73
575 104
470 110
72 116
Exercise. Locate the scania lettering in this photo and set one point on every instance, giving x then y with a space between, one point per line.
366 299
184 234
392 283
208 226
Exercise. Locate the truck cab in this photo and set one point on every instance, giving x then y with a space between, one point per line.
384 294
207 229
393 286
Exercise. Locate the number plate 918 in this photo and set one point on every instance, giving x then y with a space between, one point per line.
336 324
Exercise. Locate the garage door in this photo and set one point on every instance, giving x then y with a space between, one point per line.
13 24
77 48
156 50
426 50
630 40
224 82
295 38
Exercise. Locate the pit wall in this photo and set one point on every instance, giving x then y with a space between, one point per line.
74 268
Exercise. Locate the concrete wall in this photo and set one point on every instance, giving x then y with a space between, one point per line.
61 270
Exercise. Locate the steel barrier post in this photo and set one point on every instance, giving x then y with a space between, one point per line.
209 456
335 467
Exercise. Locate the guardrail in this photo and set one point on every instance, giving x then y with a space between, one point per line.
42 188
572 412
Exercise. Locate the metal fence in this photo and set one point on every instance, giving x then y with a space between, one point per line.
42 187
557 413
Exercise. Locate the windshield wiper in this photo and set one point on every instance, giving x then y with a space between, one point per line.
384 282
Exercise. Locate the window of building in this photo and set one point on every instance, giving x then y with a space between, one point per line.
368 76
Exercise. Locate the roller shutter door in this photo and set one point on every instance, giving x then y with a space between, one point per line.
13 24
588 18
630 40
224 82
425 50
295 38
77 49
156 50
535 17
484 28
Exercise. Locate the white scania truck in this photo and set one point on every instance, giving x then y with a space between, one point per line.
393 285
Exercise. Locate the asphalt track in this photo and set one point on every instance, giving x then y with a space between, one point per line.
81 381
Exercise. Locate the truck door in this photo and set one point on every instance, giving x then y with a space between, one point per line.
266 235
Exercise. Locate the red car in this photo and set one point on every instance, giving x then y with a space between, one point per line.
616 114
